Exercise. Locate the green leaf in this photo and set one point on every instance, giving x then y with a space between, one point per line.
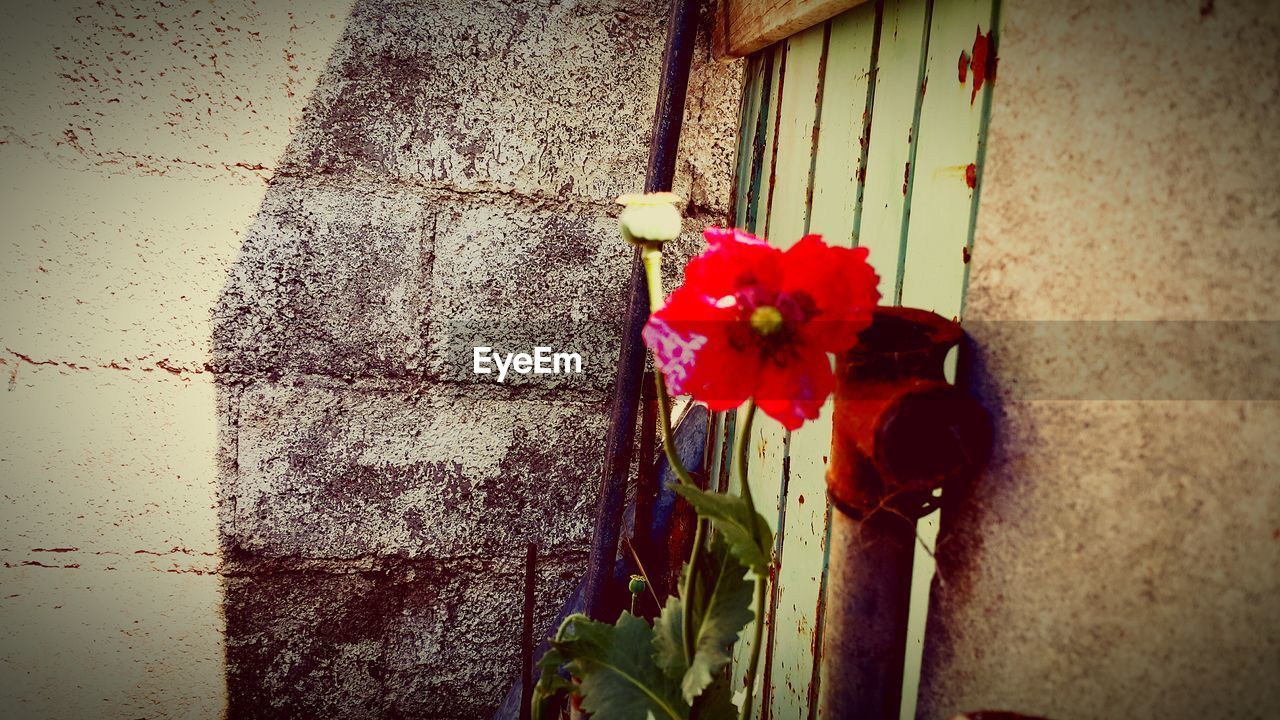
668 640
721 607
619 678
746 531
550 685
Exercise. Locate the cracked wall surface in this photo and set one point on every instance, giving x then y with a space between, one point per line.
1119 558
247 468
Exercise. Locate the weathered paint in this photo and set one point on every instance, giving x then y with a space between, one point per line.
834 184
891 137
757 219
875 135
841 147
788 218
948 134
983 62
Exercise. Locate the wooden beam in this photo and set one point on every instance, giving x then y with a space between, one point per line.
744 26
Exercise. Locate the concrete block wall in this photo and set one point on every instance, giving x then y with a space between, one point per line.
254 244
451 185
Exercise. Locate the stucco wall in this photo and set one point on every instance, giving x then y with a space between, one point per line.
135 141
251 246
1120 557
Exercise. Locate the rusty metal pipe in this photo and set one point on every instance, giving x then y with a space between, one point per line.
901 437
865 632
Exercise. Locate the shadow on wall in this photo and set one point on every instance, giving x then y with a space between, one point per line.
456 161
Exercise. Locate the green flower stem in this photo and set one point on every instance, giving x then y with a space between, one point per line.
742 445
668 436
686 593
651 254
652 257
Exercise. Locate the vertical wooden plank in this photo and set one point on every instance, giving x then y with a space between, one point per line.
951 122
840 157
938 235
785 210
773 60
755 79
762 150
789 191
891 135
802 570
788 219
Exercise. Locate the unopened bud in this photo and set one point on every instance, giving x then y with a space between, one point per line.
650 217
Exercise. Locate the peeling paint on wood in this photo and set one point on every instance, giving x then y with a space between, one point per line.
874 72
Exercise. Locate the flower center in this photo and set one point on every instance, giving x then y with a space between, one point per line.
766 320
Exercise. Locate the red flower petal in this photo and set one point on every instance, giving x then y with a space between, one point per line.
704 342
691 340
841 286
732 260
795 392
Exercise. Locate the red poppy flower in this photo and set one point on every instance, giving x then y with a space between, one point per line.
752 320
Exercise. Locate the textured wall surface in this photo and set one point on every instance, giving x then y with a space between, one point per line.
451 185
251 246
135 141
1120 557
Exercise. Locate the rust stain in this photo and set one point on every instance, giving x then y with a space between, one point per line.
176 550
906 177
815 651
29 360
958 172
966 255
37 563
983 62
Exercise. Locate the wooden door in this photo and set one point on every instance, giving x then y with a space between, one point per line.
867 129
